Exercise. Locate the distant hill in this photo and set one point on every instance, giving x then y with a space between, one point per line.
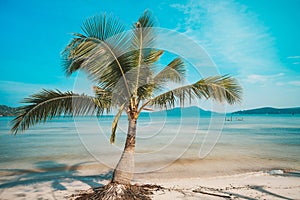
193 110
187 111
269 110
7 111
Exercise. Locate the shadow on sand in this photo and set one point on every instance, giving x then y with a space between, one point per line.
291 174
259 189
51 171
262 190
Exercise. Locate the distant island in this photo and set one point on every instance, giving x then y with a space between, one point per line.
7 111
269 110
192 110
10 111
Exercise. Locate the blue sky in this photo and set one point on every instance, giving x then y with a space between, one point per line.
254 41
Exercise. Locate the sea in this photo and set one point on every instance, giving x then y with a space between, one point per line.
166 145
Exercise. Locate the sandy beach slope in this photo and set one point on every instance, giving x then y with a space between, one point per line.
257 185
254 185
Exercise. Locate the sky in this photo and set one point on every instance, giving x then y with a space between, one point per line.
255 42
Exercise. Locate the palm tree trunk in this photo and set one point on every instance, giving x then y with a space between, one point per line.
123 173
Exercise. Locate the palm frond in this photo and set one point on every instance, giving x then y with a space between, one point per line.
103 27
174 71
220 88
152 56
70 64
49 103
100 92
147 20
142 39
115 124
100 52
145 79
143 33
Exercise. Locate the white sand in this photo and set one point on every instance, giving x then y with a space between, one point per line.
257 185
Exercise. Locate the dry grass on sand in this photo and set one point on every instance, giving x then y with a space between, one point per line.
118 192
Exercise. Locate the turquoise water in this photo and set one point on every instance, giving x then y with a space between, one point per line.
256 142
267 136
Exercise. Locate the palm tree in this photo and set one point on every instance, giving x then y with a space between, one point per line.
123 69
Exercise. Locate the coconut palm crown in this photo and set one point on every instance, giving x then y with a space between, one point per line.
124 71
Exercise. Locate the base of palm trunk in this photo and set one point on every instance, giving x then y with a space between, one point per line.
123 173
116 191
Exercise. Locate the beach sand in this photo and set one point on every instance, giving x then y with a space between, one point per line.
274 184
254 185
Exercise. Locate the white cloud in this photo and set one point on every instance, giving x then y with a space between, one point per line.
293 57
231 34
79 83
20 87
178 6
14 92
254 78
279 84
295 60
295 83
257 78
241 45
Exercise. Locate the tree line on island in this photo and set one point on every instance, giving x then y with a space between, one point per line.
269 111
7 111
11 111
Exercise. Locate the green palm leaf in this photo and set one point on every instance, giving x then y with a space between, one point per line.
49 103
115 124
102 93
103 27
100 52
143 38
152 56
174 71
220 88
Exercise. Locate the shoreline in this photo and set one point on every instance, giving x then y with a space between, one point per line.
181 168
